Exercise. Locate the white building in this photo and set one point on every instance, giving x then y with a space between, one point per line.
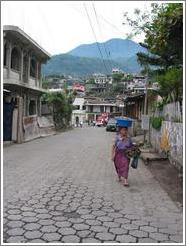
95 107
79 112
102 78
116 70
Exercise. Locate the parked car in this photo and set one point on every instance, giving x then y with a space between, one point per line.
111 125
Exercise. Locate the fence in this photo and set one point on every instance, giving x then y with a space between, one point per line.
173 112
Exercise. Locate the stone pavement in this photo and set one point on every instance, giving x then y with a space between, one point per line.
64 188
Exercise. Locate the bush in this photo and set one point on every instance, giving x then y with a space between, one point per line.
156 122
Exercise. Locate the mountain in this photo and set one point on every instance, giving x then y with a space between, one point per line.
111 49
77 66
85 59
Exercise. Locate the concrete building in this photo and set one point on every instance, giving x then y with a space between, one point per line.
79 113
96 106
22 60
102 78
95 88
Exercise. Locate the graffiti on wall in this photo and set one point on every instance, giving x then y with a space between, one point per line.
164 142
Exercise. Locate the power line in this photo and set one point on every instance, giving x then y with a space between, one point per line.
112 25
104 19
102 36
95 37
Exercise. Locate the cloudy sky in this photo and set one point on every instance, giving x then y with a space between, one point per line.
63 25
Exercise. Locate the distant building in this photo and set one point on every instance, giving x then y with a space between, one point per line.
96 107
116 71
22 83
102 79
55 83
78 88
95 88
79 113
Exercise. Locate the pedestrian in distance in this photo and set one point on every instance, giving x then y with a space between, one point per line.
121 161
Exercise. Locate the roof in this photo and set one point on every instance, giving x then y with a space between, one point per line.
19 34
26 86
78 101
134 96
98 102
55 90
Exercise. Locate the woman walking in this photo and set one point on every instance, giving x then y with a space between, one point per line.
121 161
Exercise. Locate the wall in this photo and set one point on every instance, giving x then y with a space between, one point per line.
78 113
32 82
35 127
107 109
96 109
5 72
46 109
46 125
175 141
172 111
31 128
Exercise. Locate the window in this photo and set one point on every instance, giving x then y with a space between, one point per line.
5 55
77 107
33 67
111 109
91 108
101 109
25 68
15 59
84 107
32 107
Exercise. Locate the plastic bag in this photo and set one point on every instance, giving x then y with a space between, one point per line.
134 162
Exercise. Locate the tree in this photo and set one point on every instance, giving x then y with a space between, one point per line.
44 84
164 37
91 81
128 77
117 77
62 107
163 28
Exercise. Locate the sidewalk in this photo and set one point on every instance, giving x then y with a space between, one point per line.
166 174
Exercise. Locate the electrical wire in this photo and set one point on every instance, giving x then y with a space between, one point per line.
95 36
99 26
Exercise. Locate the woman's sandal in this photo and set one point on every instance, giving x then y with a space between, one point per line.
127 185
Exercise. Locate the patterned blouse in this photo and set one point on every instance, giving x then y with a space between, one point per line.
123 144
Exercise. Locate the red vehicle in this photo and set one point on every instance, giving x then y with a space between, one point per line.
99 121
102 120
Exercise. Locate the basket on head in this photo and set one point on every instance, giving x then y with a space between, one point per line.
124 122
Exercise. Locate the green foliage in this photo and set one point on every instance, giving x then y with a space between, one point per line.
117 77
156 122
59 76
128 77
164 37
91 81
62 107
45 84
118 88
171 84
163 28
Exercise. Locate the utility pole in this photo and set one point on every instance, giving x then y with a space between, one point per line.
146 96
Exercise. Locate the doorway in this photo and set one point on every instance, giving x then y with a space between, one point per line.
8 108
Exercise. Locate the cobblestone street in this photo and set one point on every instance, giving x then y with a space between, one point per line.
64 188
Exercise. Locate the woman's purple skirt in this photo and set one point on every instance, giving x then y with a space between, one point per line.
121 164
